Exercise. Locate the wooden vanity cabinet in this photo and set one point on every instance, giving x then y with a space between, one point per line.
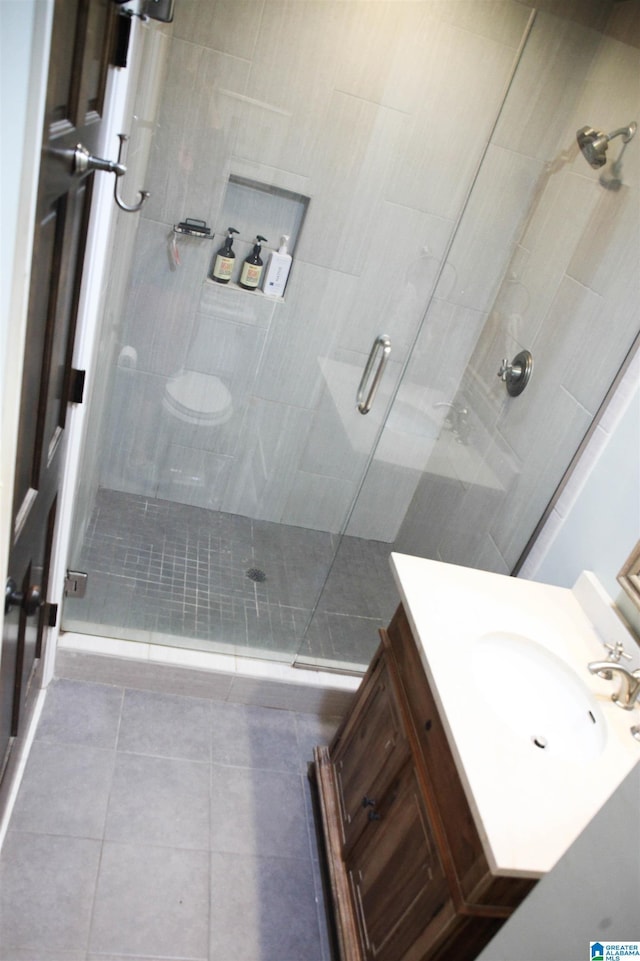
371 749
409 878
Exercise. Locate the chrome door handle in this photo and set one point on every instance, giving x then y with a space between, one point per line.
381 345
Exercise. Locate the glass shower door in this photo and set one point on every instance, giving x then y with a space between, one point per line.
543 260
220 573
229 483
225 449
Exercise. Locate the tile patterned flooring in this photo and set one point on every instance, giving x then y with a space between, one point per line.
158 826
157 567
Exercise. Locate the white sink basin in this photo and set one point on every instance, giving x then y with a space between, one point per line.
538 696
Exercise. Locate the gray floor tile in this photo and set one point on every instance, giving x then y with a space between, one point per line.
81 713
263 909
43 954
328 937
258 812
257 737
152 902
46 895
123 956
161 801
183 570
362 635
65 790
162 867
310 801
320 883
312 731
165 725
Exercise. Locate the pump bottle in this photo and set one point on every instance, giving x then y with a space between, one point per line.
252 267
225 258
277 270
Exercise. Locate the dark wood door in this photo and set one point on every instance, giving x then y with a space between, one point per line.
81 41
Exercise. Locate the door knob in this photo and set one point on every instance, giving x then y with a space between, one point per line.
29 601
84 162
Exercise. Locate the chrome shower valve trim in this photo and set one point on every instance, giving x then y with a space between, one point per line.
516 375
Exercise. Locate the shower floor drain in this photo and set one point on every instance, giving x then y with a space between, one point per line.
255 574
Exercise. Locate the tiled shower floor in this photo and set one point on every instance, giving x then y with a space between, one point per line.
158 826
169 572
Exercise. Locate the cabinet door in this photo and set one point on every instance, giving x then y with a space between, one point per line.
370 752
397 881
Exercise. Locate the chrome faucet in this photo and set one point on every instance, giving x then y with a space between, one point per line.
629 690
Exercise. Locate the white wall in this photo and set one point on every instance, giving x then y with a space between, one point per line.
596 521
16 29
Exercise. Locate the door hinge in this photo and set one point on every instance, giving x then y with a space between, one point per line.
75 584
76 386
52 615
122 38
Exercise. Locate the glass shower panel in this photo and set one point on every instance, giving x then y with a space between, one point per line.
544 259
225 448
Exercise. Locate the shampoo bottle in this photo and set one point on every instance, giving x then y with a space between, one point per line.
277 271
252 267
225 258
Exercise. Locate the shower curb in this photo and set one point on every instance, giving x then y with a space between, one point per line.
219 677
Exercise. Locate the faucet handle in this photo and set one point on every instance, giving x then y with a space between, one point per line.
616 651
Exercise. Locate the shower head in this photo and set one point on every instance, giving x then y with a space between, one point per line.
594 143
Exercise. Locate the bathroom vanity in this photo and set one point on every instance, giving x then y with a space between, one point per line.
476 749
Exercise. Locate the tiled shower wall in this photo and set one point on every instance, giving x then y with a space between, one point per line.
571 295
379 112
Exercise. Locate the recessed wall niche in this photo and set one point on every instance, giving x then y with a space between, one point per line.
258 208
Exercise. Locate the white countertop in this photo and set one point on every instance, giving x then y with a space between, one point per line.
529 805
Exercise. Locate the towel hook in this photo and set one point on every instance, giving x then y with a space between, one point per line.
143 194
83 162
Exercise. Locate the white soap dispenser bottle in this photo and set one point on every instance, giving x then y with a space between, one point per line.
277 272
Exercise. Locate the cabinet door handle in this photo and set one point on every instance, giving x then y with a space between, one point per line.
368 802
374 816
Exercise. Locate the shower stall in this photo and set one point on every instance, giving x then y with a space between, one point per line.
237 495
